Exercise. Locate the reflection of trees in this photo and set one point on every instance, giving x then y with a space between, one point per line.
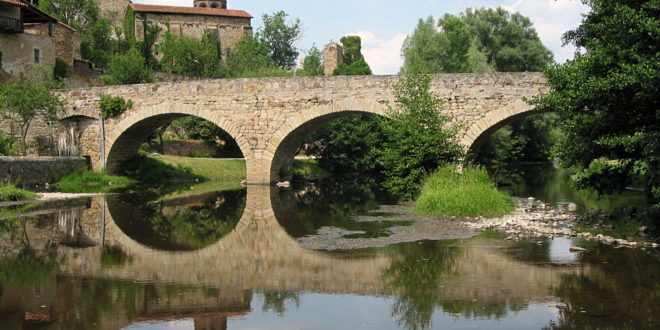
623 293
417 270
28 267
276 301
186 225
331 202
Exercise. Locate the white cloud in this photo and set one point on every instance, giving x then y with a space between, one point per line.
383 56
552 18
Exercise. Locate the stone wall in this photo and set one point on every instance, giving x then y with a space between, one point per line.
67 41
333 56
38 170
114 9
18 52
229 29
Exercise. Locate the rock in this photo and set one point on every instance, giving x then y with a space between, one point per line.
577 249
284 184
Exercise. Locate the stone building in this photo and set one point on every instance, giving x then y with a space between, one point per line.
333 56
229 25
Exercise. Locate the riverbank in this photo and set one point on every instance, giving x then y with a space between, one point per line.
532 219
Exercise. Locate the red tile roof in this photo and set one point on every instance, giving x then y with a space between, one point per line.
15 2
189 10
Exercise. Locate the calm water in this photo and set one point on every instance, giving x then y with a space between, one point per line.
192 259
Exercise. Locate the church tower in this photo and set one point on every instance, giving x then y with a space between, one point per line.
220 4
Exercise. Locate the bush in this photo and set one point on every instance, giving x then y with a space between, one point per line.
11 193
471 193
127 69
112 106
6 145
60 70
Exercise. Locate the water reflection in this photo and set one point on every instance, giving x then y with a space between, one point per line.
120 262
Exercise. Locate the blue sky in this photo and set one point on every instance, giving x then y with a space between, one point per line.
384 24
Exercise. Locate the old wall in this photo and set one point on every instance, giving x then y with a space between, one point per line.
18 52
67 41
115 9
38 170
229 29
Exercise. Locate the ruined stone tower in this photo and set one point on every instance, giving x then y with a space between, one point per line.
332 58
220 4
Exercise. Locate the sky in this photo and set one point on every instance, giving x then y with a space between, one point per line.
384 24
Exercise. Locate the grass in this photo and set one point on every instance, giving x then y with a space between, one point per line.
308 169
91 182
208 168
470 193
9 193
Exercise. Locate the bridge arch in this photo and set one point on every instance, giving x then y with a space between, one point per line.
288 139
132 130
477 133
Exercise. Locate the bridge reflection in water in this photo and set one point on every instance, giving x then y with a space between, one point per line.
101 275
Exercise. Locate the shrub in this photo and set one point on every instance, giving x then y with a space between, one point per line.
60 70
471 193
112 106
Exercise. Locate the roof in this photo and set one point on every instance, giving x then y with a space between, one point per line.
15 2
189 10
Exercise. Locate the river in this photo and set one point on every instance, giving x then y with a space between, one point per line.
225 257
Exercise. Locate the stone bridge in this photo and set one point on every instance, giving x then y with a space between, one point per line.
270 117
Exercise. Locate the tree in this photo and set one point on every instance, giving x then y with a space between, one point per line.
248 55
21 102
95 30
279 38
196 128
313 62
607 97
353 63
191 56
509 41
420 138
126 69
452 49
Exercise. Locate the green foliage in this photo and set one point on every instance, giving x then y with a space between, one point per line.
479 40
11 193
95 30
353 63
7 145
129 26
248 55
509 41
279 37
313 62
113 106
126 69
307 169
191 56
196 128
90 182
419 137
349 145
527 140
470 193
23 101
60 70
607 97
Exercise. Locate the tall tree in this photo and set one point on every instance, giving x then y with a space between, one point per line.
280 37
248 55
420 138
607 96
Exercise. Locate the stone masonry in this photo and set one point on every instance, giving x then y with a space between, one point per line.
270 117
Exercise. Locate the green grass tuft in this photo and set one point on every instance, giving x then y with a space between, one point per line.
308 169
470 193
208 168
91 182
9 193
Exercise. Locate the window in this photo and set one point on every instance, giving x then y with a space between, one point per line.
214 5
37 56
203 5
